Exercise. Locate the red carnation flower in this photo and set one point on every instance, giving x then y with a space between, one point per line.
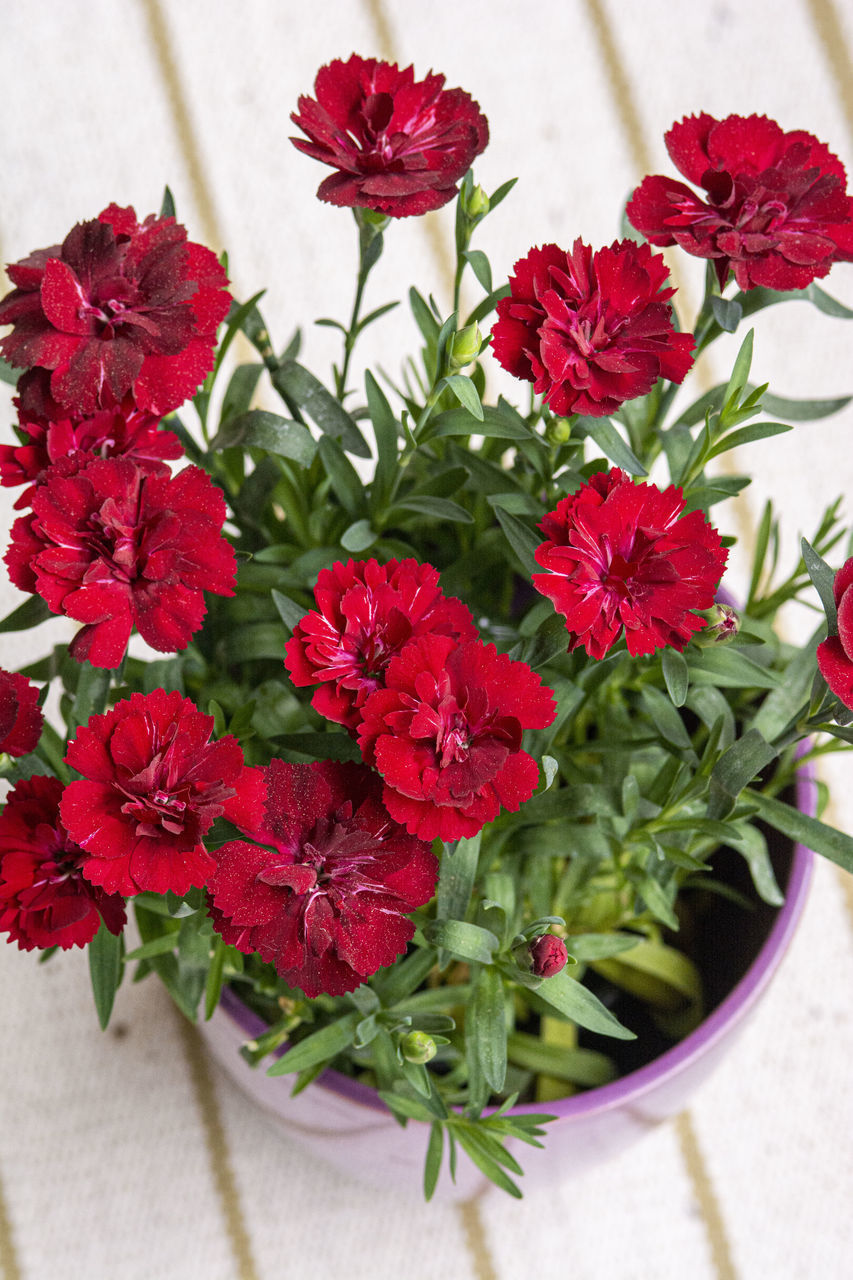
124 430
547 955
325 901
590 330
445 733
44 899
153 783
367 612
111 545
399 145
835 654
776 211
120 306
622 555
21 717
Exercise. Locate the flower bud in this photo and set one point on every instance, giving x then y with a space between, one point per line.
465 346
418 1047
548 955
477 204
372 218
558 431
723 625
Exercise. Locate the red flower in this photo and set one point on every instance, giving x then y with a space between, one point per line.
153 784
776 211
21 718
44 899
399 145
111 545
121 431
621 555
590 330
367 612
119 306
325 902
835 654
547 955
445 733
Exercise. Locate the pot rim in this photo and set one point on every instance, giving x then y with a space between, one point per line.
731 1010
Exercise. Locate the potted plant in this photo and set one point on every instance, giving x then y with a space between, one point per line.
456 747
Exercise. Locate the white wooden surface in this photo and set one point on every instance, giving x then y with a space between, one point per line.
120 1157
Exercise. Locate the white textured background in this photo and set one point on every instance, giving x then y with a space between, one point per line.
121 1156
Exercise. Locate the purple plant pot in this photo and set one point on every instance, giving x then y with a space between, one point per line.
345 1123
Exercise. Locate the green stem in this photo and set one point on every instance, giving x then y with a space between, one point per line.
369 250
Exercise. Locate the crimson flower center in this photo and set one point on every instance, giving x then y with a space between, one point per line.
454 735
115 544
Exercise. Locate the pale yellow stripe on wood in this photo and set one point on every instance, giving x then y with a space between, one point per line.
182 119
476 1239
830 34
217 1148
9 1264
709 1205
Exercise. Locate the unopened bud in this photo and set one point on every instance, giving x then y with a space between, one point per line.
723 624
477 204
418 1047
372 218
558 431
465 346
548 955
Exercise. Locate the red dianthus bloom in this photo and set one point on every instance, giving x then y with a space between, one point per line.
21 717
124 430
445 733
367 612
44 899
152 785
119 306
112 545
399 145
590 330
620 556
776 212
325 902
835 654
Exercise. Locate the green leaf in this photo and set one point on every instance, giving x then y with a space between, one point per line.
746 435
600 946
320 746
259 429
666 718
611 444
434 1155
486 1022
757 299
440 508
159 946
521 538
466 941
424 318
727 313
343 476
802 410
294 381
466 393
8 373
740 371
479 264
387 438
750 842
289 611
167 205
729 669
576 1002
735 769
241 387
823 580
494 423
254 642
488 304
215 974
456 881
658 901
676 675
815 835
105 970
27 615
578 1066
486 1160
322 1046
358 536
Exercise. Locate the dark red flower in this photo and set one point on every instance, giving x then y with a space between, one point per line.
124 430
622 555
153 783
367 612
835 654
21 717
590 330
399 145
445 733
547 955
776 212
120 306
44 899
325 900
112 545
